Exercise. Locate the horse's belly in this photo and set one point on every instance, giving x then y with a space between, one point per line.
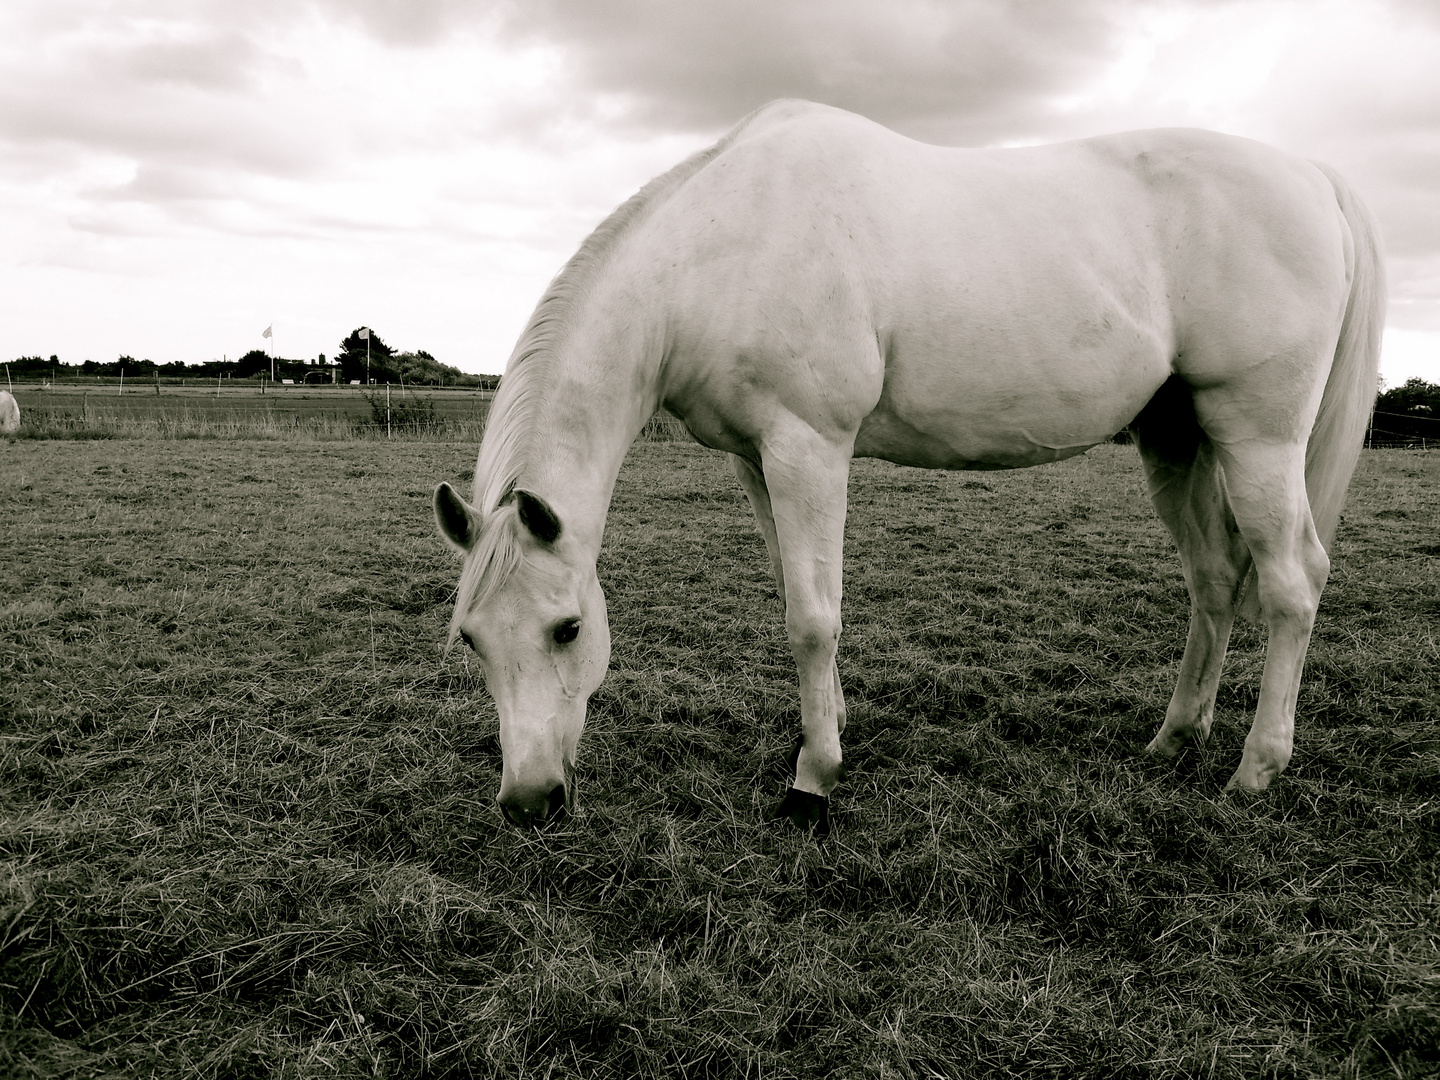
1006 413
1030 362
885 435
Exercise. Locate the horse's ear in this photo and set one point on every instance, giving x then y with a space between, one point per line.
538 516
454 517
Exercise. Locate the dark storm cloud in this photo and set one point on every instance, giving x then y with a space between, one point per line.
413 22
966 68
223 61
972 69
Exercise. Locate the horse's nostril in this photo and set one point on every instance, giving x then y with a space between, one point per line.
557 802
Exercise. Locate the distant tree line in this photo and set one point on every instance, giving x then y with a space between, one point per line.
1407 414
386 365
54 367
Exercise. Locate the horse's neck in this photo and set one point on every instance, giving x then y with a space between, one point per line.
601 392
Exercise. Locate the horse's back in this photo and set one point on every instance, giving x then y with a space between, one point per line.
960 307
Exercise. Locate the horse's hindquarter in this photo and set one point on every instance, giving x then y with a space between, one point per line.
1057 287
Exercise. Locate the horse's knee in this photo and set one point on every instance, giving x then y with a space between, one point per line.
813 633
1289 604
1289 586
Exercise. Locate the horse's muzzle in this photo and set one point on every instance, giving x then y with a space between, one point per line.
533 809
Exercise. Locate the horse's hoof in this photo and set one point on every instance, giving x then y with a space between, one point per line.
1259 766
805 810
1168 750
1250 780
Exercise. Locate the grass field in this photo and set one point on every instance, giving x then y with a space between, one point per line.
249 828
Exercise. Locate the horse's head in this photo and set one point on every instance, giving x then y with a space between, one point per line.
530 606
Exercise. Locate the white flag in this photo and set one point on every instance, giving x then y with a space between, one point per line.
364 333
267 330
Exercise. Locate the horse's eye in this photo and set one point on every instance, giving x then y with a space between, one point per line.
567 632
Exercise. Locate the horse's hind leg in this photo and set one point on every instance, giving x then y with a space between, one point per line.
1266 484
753 481
1188 492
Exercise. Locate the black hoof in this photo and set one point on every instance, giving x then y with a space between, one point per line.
805 811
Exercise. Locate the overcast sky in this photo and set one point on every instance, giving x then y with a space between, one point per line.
176 175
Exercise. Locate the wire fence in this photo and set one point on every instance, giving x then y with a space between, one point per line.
1388 429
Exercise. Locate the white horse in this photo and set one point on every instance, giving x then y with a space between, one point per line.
815 287
9 413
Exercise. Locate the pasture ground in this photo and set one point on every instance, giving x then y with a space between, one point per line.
204 410
247 820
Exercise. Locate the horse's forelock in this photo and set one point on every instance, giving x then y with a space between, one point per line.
488 565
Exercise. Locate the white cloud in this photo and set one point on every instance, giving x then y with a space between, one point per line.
1410 354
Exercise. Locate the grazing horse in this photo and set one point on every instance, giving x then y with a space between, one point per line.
815 287
9 413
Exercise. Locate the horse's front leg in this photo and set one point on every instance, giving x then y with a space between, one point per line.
805 477
753 481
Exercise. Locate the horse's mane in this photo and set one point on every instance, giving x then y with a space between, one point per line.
510 426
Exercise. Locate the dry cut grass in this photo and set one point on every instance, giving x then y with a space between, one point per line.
248 830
